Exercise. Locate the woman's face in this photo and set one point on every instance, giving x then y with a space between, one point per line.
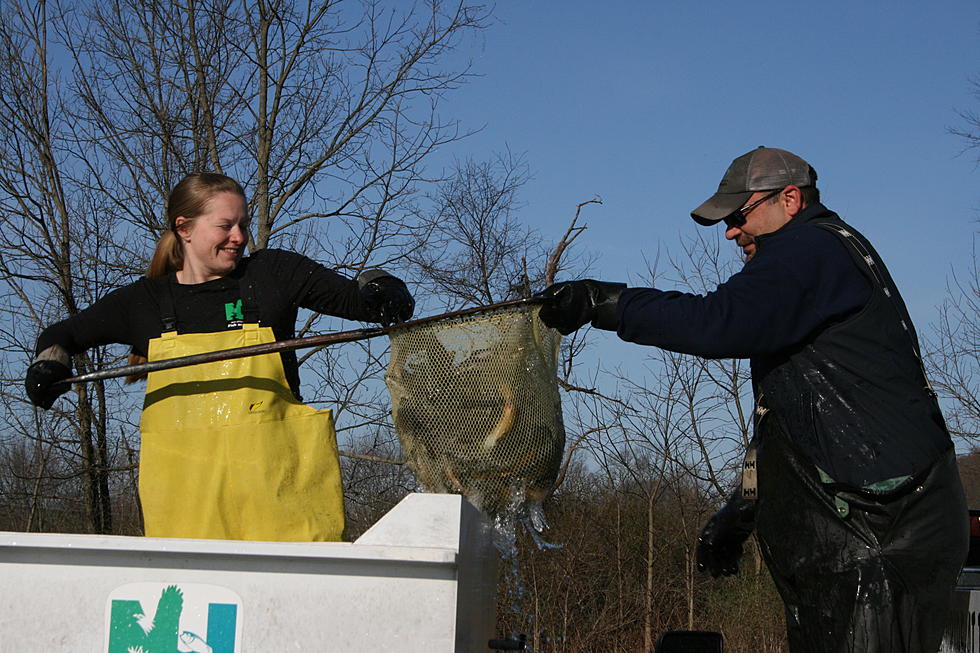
215 240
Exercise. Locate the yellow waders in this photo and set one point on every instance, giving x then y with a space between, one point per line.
229 453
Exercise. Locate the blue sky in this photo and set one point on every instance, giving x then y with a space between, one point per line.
645 104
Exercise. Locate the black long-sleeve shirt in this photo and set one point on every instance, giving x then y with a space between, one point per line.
282 283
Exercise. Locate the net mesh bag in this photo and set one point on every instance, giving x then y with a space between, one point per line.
476 408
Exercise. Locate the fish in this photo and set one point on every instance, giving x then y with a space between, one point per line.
506 421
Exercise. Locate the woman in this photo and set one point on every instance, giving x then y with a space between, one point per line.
228 451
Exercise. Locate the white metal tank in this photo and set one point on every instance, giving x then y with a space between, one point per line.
422 579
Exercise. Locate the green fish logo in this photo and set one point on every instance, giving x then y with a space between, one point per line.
164 618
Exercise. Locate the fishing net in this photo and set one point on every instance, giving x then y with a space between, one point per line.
476 408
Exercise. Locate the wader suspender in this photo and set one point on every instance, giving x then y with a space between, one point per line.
749 479
869 260
168 313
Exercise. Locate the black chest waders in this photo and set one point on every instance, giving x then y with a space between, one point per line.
865 568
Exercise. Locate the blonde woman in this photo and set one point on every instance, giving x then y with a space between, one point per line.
228 450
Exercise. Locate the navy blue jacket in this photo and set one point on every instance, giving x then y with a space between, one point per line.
833 352
800 280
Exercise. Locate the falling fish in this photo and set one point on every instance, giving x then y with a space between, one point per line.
506 421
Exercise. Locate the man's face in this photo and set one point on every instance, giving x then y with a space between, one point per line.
765 217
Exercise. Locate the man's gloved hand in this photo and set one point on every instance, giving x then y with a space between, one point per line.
720 544
387 299
574 303
42 382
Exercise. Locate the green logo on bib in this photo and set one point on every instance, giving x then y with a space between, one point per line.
233 311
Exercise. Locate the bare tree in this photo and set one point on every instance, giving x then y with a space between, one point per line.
953 349
970 132
474 251
954 353
325 111
54 249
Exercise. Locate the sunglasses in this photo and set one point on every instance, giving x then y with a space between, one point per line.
737 217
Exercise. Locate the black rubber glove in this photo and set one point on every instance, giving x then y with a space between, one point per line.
42 382
573 304
387 300
720 544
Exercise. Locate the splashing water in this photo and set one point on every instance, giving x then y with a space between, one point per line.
520 510
529 514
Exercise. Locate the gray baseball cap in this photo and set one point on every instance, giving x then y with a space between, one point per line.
764 168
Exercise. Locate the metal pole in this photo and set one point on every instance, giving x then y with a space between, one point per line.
283 345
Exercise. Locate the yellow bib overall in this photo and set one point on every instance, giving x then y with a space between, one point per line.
229 453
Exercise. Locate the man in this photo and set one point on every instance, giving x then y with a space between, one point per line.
859 511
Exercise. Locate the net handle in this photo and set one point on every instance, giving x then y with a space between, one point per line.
287 345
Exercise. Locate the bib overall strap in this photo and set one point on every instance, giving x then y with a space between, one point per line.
251 312
168 311
168 320
750 480
879 278
750 463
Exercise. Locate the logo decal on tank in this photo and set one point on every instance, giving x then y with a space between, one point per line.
184 617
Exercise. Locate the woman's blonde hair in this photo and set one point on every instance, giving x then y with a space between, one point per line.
188 199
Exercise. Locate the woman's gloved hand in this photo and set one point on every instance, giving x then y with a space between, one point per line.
720 544
387 299
42 382
573 304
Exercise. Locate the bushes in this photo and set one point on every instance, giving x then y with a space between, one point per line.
591 595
